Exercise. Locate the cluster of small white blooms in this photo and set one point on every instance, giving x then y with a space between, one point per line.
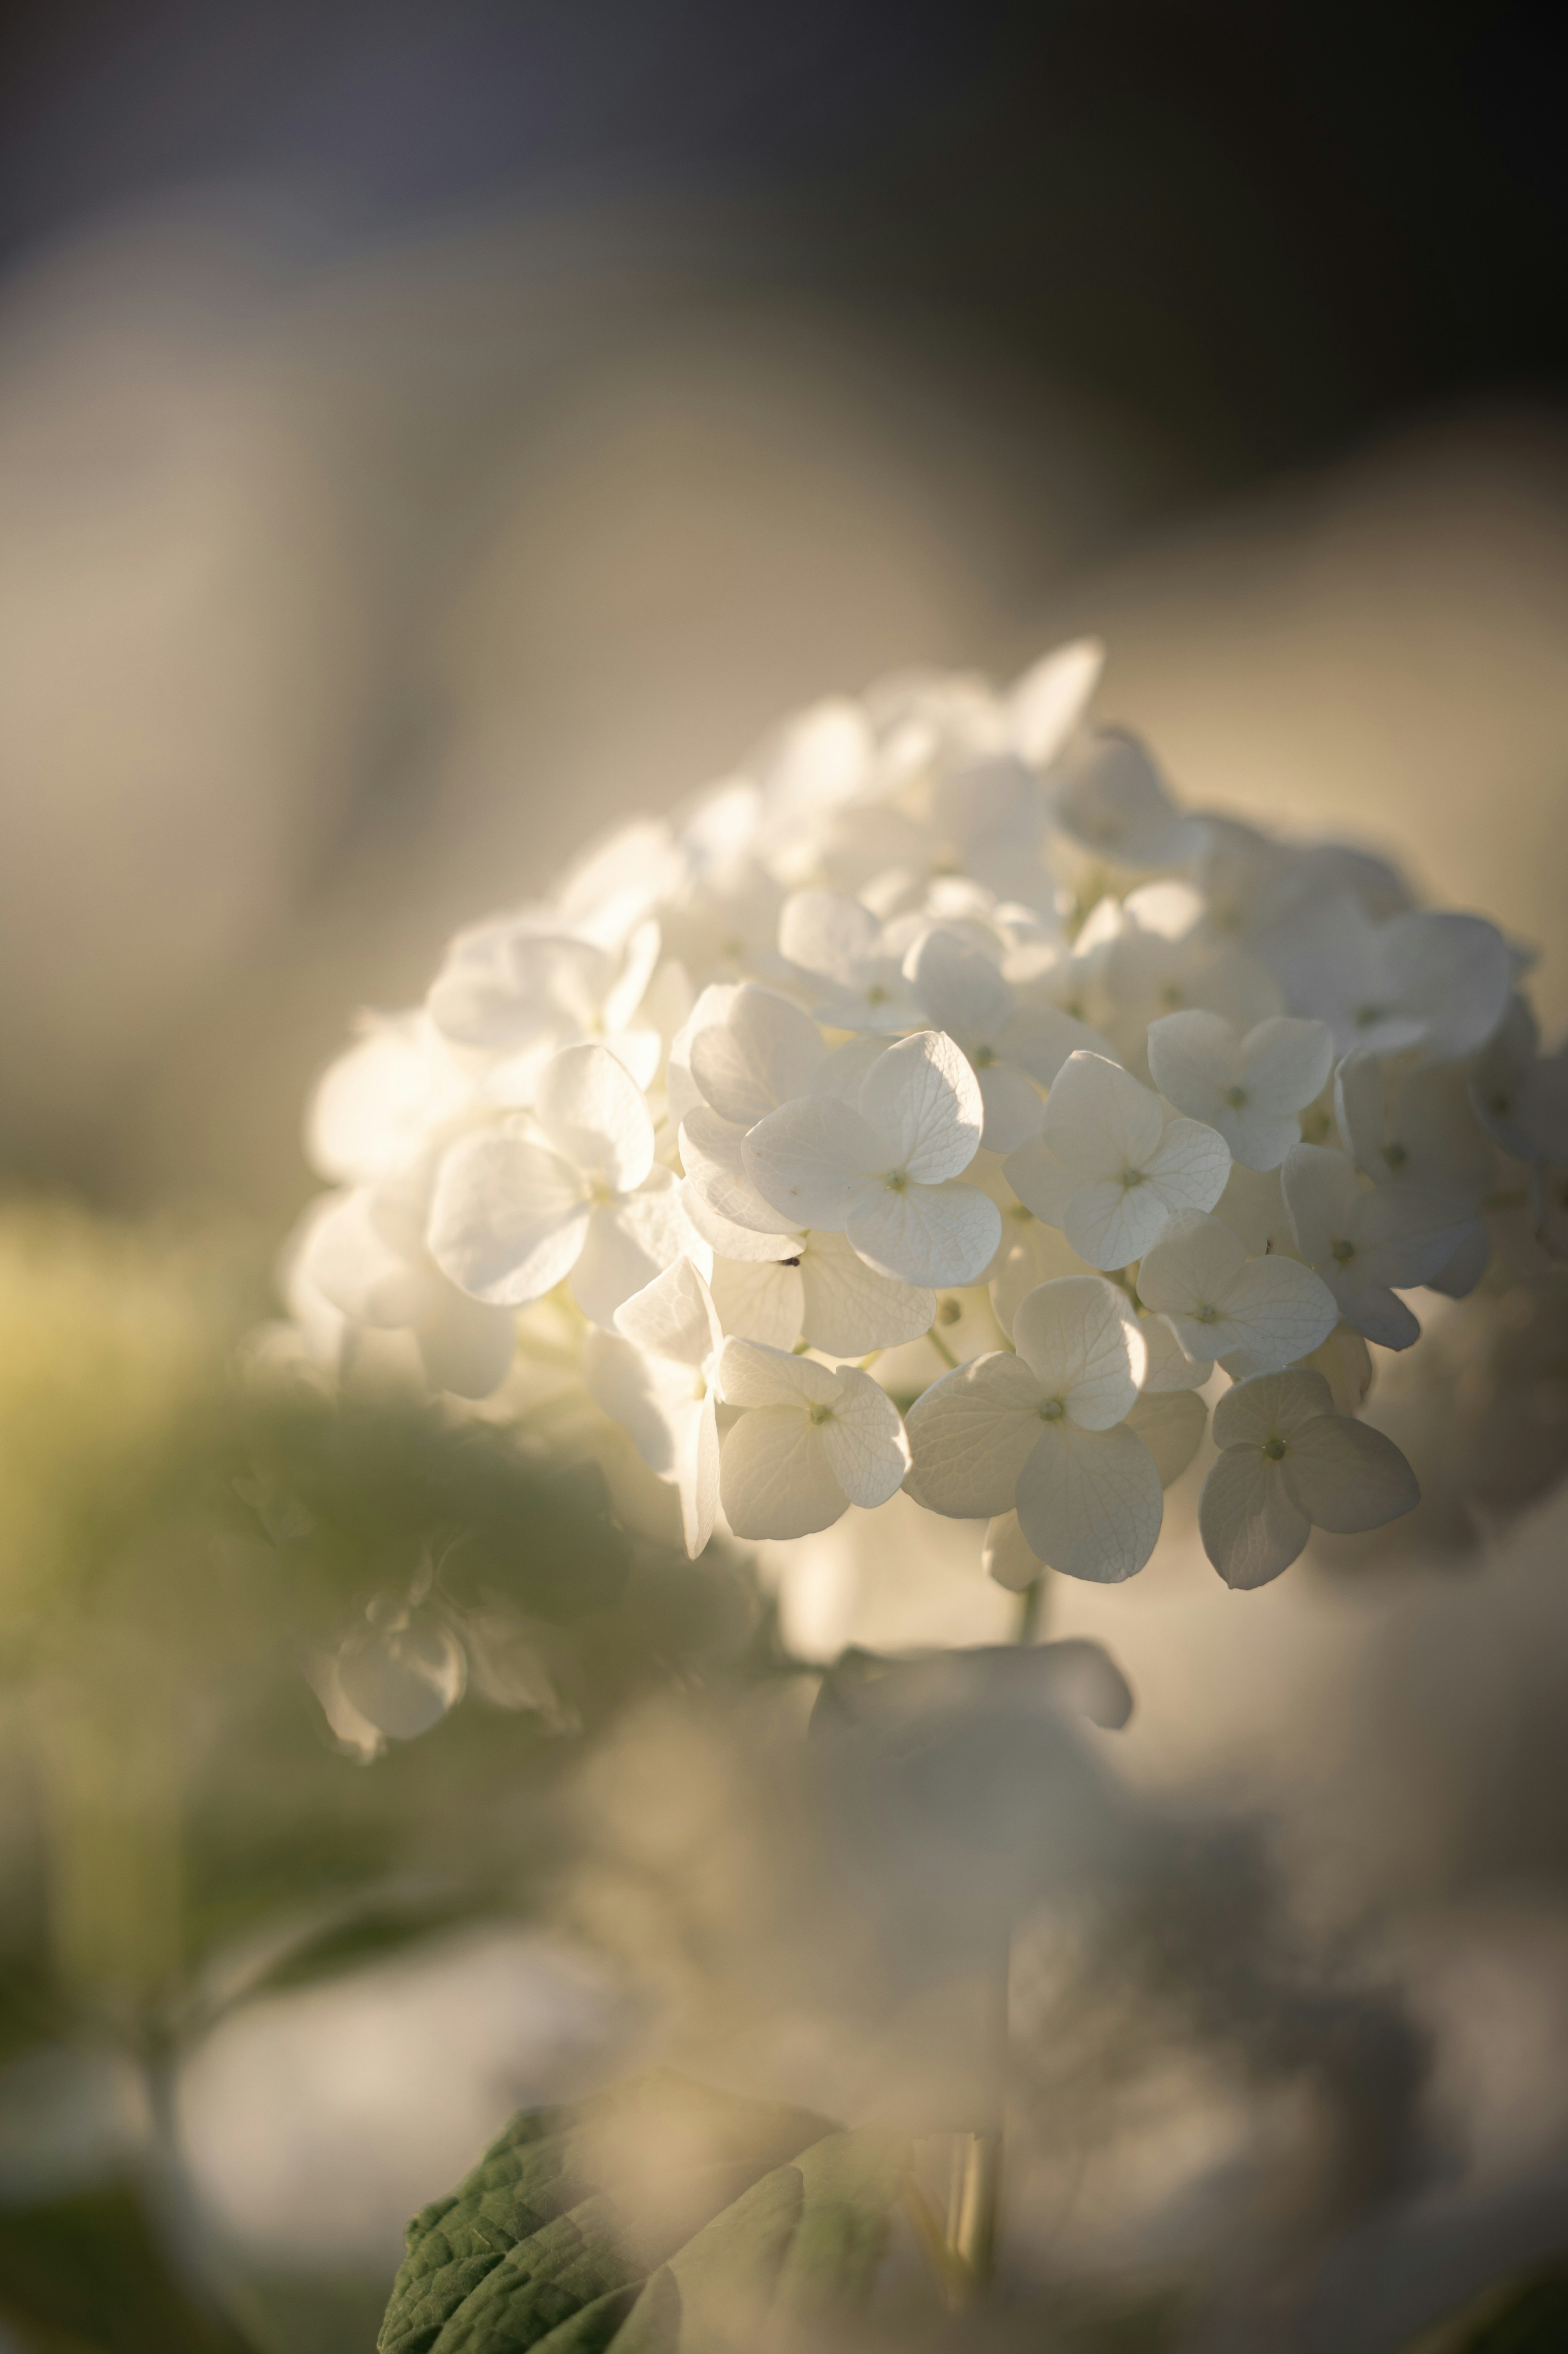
936 1106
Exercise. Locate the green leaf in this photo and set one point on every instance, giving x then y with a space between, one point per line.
659 2217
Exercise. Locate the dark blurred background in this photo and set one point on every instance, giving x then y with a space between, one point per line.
427 432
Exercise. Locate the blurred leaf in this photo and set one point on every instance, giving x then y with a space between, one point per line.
88 2270
655 2217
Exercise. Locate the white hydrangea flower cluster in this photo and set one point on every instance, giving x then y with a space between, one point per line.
934 1105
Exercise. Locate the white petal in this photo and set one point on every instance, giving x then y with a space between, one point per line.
843 1073
752 1375
1089 1501
863 1440
508 1219
402 1680
697 1473
764 1053
372 1108
1322 1198
1188 1166
673 1316
1194 1266
1358 1110
762 1301
628 1243
712 1153
1040 1181
811 1158
1031 1253
923 1097
730 1241
1285 1064
1098 1120
646 1396
1280 1311
1171 1424
1039 1038
1193 1059
1007 1555
1274 1405
926 1234
775 1479
1169 1366
1013 1110
1452 972
971 1435
849 1308
1082 1341
1047 703
1346 1477
593 1112
825 933
1110 1224
1253 1204
1251 1527
961 991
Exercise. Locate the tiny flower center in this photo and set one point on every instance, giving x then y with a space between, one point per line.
982 1059
897 1180
1170 997
1207 1315
1131 1177
825 1414
1365 1015
601 1195
1022 1212
1341 1250
1274 1450
1052 1410
876 994
1395 1155
1074 1008
948 1312
1235 1097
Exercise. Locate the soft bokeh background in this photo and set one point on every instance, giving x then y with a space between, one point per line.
427 434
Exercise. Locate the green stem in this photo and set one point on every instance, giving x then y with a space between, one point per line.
1031 1609
942 1349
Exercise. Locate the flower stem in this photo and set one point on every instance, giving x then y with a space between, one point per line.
1031 1609
942 1349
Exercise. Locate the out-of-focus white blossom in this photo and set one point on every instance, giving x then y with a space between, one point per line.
888 1047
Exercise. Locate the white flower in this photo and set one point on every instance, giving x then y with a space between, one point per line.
1108 1169
1272 1310
884 1170
811 1440
1046 704
1247 1087
1427 1136
821 1291
364 1252
658 1381
1428 979
1015 1051
1368 1241
373 1107
838 952
1043 1433
1521 1096
516 991
1159 955
1113 799
1290 1463
513 1215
